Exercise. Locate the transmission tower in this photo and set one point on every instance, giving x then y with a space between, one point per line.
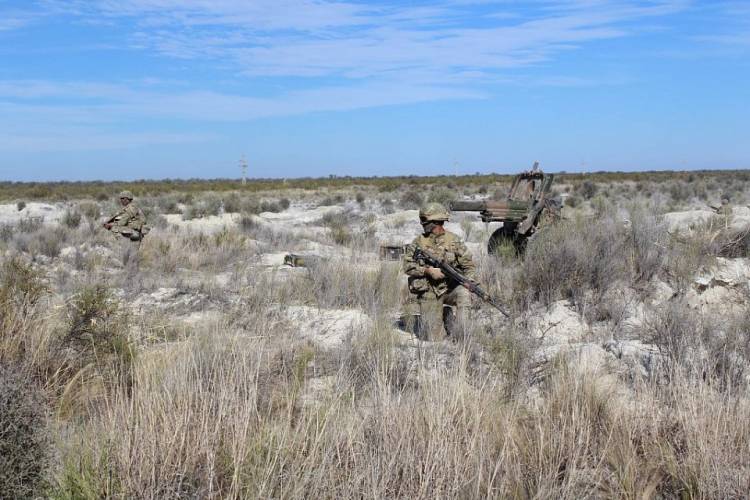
243 166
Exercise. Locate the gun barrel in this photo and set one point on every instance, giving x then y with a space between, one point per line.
468 206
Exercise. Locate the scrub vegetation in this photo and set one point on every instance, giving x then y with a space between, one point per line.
623 373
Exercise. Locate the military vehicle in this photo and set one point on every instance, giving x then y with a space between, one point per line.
529 201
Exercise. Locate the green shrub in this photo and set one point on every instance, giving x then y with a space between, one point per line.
443 196
49 243
21 288
30 224
25 444
587 189
411 200
571 259
572 201
97 334
6 232
284 203
232 203
168 205
341 235
330 201
270 206
20 205
89 209
71 219
206 206
248 224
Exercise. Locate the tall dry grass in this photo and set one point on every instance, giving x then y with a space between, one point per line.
245 407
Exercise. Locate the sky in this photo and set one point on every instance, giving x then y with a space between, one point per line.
150 89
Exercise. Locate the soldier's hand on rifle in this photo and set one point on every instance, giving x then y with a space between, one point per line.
435 273
107 225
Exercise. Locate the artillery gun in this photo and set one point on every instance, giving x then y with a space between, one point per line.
529 201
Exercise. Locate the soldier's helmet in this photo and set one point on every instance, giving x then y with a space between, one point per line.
433 212
126 194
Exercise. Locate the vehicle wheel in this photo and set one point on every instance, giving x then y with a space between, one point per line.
505 241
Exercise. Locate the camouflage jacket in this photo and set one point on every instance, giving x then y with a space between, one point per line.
448 247
128 221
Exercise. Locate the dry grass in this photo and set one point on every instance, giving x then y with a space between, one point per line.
146 404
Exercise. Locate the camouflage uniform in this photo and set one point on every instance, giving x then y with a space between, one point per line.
130 224
430 296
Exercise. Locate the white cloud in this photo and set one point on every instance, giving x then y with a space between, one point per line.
316 38
340 55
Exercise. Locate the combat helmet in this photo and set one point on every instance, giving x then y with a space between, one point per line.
433 212
126 194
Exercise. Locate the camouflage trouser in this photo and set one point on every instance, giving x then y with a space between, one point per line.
129 254
438 315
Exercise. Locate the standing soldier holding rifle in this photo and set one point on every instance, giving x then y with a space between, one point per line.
130 224
430 290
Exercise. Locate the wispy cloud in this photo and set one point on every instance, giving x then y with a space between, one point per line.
311 38
322 56
61 115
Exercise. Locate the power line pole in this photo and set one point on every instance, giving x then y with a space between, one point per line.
243 166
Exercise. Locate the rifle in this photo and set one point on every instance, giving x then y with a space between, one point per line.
453 274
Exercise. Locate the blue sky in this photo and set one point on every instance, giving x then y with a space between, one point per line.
127 89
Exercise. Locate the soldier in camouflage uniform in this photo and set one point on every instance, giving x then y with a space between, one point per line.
429 289
130 224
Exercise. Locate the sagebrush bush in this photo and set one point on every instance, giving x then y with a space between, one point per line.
20 205
89 209
208 205
21 289
270 206
97 334
25 444
48 243
411 199
30 224
71 219
232 203
573 259
587 189
444 196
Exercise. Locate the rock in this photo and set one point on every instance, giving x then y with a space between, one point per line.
326 327
210 224
722 288
660 292
687 220
298 216
583 357
559 324
168 298
642 360
44 212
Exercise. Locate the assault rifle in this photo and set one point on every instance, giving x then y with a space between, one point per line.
453 274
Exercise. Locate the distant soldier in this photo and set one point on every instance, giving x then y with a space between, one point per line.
429 290
725 210
130 224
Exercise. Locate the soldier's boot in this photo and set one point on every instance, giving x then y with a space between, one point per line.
412 323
